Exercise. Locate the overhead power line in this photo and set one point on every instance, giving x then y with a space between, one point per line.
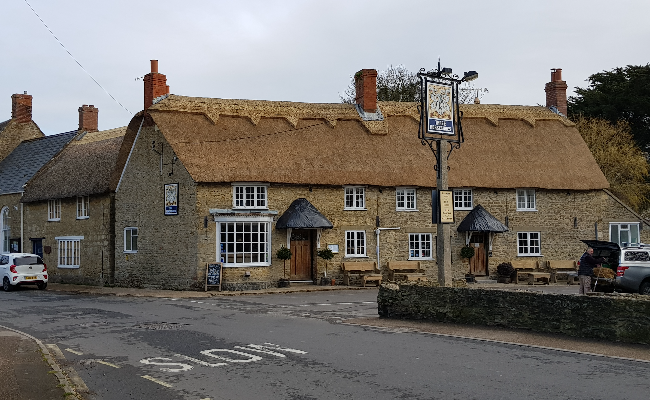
75 60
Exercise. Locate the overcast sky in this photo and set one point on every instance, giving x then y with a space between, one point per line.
303 51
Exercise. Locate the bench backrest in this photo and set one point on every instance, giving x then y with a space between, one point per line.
524 264
562 264
404 265
359 266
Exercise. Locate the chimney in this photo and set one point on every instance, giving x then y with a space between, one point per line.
365 82
88 118
155 85
21 107
556 91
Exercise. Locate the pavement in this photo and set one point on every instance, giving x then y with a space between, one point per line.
30 371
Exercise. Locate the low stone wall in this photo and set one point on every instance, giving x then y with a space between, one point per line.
615 317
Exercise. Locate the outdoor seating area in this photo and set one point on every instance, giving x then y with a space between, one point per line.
366 271
529 269
406 271
564 270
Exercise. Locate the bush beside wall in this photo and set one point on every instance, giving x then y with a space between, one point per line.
624 318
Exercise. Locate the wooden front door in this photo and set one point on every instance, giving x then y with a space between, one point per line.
478 263
301 255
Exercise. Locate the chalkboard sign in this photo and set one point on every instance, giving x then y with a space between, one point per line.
213 275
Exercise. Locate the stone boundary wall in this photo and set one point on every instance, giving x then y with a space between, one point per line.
615 317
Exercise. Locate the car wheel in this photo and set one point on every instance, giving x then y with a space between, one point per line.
41 285
645 288
6 285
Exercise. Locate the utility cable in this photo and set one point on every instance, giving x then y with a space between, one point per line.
75 60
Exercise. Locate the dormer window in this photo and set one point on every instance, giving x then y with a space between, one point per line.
246 196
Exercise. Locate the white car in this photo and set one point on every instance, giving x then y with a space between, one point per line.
22 269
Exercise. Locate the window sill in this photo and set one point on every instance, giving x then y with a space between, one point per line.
68 266
465 209
527 209
354 256
407 209
130 252
355 209
421 259
54 220
529 255
250 265
83 217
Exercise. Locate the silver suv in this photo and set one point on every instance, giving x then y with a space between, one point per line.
633 272
22 269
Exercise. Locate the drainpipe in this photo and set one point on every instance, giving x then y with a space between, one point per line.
377 231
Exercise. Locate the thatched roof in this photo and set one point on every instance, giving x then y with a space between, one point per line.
4 124
27 158
83 168
244 140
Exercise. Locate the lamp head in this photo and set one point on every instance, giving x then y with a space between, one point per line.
470 76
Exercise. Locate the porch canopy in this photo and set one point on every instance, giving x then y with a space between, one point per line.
479 220
301 214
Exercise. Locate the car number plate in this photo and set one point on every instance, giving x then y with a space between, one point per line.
29 278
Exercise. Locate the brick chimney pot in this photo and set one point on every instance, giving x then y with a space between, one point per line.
21 107
556 91
155 85
88 118
365 82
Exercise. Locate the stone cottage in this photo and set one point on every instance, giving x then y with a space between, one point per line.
69 207
206 179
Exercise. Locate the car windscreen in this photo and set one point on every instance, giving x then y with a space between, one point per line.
28 260
636 256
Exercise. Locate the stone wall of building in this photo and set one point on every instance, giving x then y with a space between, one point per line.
16 132
12 204
96 247
167 254
610 317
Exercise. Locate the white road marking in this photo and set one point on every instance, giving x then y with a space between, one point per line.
74 352
251 357
324 304
182 367
205 364
345 304
107 363
157 381
369 302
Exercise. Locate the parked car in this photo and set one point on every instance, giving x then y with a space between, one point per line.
611 252
633 272
22 269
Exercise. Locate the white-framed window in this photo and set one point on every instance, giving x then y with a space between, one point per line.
244 241
130 240
355 243
528 244
355 198
526 200
620 232
69 251
463 199
405 199
54 210
83 204
420 246
250 196
6 232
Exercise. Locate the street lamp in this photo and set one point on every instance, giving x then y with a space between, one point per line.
440 123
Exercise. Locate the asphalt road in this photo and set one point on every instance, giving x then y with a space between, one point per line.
295 346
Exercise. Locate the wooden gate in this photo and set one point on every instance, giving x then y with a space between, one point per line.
301 255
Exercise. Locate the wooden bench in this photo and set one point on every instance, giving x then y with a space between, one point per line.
564 268
406 271
367 271
530 269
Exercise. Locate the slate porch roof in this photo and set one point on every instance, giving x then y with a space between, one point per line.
301 214
480 220
27 158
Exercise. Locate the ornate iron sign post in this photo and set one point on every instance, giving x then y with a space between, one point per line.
440 123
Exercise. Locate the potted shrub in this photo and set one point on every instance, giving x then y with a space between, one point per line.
326 254
284 254
505 272
467 252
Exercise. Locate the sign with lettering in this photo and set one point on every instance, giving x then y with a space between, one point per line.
446 207
171 199
213 275
440 109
